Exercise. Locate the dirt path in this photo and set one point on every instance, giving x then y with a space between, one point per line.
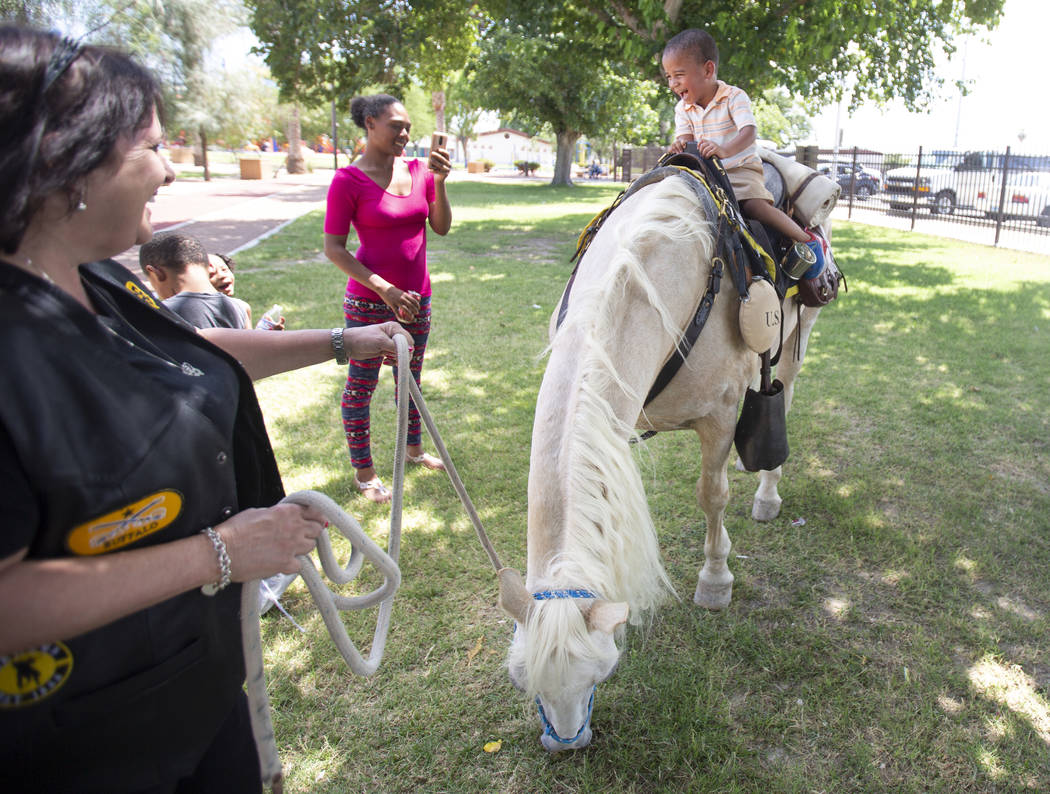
228 215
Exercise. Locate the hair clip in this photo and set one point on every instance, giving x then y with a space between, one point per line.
66 51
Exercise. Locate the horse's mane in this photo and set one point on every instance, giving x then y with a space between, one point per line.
610 543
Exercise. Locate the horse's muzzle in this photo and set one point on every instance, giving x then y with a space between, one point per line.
582 739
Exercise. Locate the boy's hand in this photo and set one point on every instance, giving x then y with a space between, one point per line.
711 149
676 147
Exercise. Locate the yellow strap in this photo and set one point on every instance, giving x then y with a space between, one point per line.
771 267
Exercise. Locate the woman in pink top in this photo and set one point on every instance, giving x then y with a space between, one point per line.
388 200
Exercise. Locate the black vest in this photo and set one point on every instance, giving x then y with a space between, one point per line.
116 462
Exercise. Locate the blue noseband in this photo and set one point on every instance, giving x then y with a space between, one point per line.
548 729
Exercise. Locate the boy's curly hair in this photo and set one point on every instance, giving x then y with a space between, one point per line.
696 42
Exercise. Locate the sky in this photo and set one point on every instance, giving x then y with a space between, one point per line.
1006 70
1008 96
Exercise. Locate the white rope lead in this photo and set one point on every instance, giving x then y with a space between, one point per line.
329 603
361 546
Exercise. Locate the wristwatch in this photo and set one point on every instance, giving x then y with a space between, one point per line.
337 346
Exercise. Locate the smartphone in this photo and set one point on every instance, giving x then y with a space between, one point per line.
439 140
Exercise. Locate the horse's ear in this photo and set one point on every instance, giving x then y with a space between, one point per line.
606 615
514 598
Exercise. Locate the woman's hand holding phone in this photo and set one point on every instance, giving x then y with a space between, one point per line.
439 162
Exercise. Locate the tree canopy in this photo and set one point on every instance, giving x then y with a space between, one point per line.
171 37
583 67
546 77
320 49
822 50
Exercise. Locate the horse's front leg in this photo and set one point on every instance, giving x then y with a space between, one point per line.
714 588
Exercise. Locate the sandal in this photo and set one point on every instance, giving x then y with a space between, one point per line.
382 493
427 461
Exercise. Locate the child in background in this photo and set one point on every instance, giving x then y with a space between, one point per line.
718 118
179 272
220 270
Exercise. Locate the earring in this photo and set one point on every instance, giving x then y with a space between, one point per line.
81 206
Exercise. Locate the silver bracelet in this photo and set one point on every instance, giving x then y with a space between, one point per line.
337 346
225 566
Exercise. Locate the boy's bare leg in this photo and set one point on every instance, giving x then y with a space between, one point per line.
766 213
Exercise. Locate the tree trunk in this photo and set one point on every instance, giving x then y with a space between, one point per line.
204 155
437 100
335 139
295 163
563 163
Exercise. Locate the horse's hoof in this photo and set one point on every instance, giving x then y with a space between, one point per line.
765 509
711 596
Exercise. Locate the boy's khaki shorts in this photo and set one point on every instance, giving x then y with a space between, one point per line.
748 182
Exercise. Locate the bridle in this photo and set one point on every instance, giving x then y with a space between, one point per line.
548 728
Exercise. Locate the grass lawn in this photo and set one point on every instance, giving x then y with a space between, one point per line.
897 641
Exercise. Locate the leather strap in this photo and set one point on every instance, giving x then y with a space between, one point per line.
692 333
802 187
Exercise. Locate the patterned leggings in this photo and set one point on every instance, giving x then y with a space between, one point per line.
363 376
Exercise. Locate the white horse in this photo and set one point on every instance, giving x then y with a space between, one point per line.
593 557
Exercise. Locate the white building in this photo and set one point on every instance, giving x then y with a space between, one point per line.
505 146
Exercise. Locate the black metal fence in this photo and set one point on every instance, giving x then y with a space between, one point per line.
996 190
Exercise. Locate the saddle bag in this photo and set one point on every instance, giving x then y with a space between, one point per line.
761 431
822 289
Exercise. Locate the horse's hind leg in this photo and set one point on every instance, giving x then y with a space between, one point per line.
714 588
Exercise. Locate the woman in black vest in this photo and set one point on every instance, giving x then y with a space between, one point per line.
137 484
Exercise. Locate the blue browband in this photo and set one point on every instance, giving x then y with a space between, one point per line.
547 595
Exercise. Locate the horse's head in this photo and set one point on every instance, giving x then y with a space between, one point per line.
564 646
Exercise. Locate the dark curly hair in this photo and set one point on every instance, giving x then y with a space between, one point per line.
363 107
62 110
173 251
696 42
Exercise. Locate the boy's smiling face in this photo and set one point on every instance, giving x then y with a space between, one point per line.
693 82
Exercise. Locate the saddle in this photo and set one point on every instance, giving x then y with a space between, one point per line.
817 291
750 251
750 268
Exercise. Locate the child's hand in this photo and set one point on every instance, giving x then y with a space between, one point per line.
677 147
711 149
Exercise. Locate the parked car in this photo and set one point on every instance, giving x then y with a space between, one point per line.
863 183
947 180
1027 197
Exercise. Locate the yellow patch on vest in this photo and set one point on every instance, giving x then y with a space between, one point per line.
28 677
141 294
125 525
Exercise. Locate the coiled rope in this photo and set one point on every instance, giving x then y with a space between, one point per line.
329 604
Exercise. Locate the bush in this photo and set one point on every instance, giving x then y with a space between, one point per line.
488 165
526 167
